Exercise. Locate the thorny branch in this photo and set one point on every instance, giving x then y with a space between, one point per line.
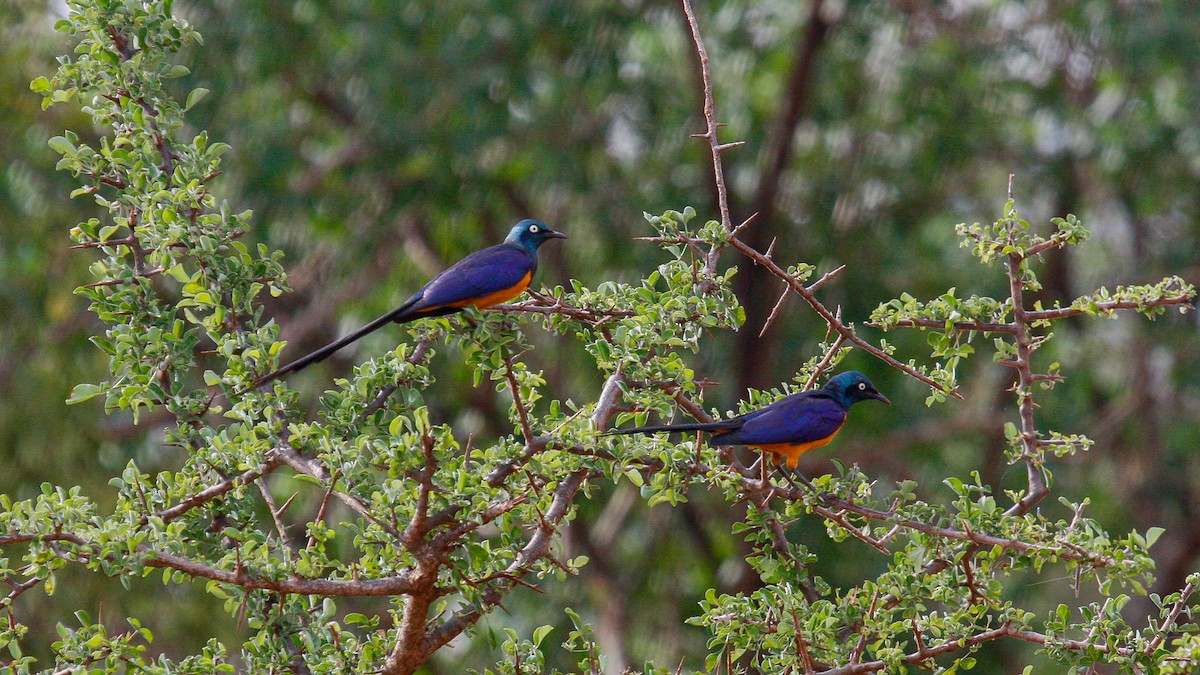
1182 299
808 293
83 552
408 656
831 318
1023 364
712 126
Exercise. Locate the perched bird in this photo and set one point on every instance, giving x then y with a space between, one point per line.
482 279
790 426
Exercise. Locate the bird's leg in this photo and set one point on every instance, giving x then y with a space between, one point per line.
787 475
807 483
761 465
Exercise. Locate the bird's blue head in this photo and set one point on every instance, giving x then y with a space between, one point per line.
851 387
529 234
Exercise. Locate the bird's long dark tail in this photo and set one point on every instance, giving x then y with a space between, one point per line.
723 425
399 315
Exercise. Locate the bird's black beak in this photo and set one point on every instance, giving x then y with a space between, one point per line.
554 234
880 397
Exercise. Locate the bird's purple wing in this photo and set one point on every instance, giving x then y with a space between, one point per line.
800 418
481 274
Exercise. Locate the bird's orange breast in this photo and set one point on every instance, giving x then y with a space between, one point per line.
497 297
790 452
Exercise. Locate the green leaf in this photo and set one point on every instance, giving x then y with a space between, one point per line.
540 633
179 274
61 145
1064 613
1152 535
83 392
198 94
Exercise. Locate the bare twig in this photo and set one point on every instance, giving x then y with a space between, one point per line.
394 585
710 136
826 359
514 388
309 467
825 278
830 318
774 311
1169 620
321 510
214 491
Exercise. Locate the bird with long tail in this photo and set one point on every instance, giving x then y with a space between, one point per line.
482 279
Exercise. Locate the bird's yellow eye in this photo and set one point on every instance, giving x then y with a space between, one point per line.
862 386
534 229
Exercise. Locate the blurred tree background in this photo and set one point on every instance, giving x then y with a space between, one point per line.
377 141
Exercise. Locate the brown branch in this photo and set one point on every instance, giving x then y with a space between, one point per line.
323 508
839 517
774 311
801 645
544 304
760 493
699 414
1032 316
834 509
399 584
831 319
269 500
1056 240
710 135
1170 619
417 355
1182 299
309 467
17 589
963 535
141 273
515 389
1023 363
926 653
445 540
503 471
778 151
825 278
610 394
537 548
826 359
977 326
212 492
413 536
407 655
